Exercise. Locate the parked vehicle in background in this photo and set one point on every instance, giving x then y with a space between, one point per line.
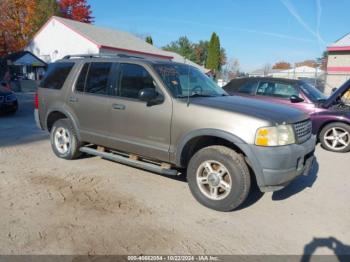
330 115
8 100
164 117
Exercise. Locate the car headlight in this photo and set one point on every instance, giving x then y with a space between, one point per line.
275 136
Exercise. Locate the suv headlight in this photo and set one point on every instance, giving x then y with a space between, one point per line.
275 136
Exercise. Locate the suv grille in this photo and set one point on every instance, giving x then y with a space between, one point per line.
303 130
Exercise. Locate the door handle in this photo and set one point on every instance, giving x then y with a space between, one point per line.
73 99
118 106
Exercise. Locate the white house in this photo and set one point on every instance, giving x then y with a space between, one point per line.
60 37
299 72
338 62
293 73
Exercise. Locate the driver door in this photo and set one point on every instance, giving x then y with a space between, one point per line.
136 127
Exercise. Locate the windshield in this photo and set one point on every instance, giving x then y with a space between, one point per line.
312 92
184 80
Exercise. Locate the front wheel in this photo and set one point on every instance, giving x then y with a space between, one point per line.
335 137
64 141
218 178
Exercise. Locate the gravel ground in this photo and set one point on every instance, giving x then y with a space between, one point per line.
94 206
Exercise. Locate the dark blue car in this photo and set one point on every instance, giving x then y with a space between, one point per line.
8 100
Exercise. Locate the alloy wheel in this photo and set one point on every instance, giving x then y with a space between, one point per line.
214 180
62 140
337 138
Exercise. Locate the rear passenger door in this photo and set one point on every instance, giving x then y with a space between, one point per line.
134 126
89 101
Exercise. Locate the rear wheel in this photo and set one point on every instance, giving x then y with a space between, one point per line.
218 178
64 141
335 137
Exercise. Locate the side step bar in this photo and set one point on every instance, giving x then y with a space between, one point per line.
129 161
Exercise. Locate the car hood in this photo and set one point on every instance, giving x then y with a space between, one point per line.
274 113
4 92
338 93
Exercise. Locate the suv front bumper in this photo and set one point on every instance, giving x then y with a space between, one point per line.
277 166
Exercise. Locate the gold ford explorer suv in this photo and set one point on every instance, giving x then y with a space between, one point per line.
170 118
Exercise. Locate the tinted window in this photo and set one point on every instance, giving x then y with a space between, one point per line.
279 90
97 80
248 88
56 75
132 79
80 85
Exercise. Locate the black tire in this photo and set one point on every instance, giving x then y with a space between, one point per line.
74 144
327 132
236 168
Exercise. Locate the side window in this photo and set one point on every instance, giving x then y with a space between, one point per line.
97 79
132 79
56 75
248 88
80 85
279 90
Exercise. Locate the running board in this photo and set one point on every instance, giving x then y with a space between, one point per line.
130 161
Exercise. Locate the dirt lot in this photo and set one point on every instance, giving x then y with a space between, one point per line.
94 206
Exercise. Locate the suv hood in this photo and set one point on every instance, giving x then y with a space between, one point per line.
338 93
274 113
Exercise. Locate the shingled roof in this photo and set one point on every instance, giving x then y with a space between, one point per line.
112 39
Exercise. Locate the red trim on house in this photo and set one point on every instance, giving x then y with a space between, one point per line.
338 69
98 45
135 52
90 40
338 48
42 28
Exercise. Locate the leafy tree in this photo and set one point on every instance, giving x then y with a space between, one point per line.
201 52
149 40
77 10
282 65
182 46
17 24
214 53
44 10
311 63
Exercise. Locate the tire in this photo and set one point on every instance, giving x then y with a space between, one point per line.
335 137
63 128
235 173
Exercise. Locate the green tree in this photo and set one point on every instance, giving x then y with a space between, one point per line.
44 10
149 39
201 52
214 53
182 46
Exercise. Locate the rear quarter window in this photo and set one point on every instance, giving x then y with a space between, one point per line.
56 75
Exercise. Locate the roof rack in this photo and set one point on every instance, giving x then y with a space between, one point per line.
101 56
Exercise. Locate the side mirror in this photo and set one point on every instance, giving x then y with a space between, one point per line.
296 99
334 89
150 96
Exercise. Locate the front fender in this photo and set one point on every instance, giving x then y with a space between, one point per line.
238 142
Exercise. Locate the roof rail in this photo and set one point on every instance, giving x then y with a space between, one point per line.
101 56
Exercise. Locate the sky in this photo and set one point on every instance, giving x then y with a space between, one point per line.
256 32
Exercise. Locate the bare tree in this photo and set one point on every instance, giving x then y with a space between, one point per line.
231 69
267 69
